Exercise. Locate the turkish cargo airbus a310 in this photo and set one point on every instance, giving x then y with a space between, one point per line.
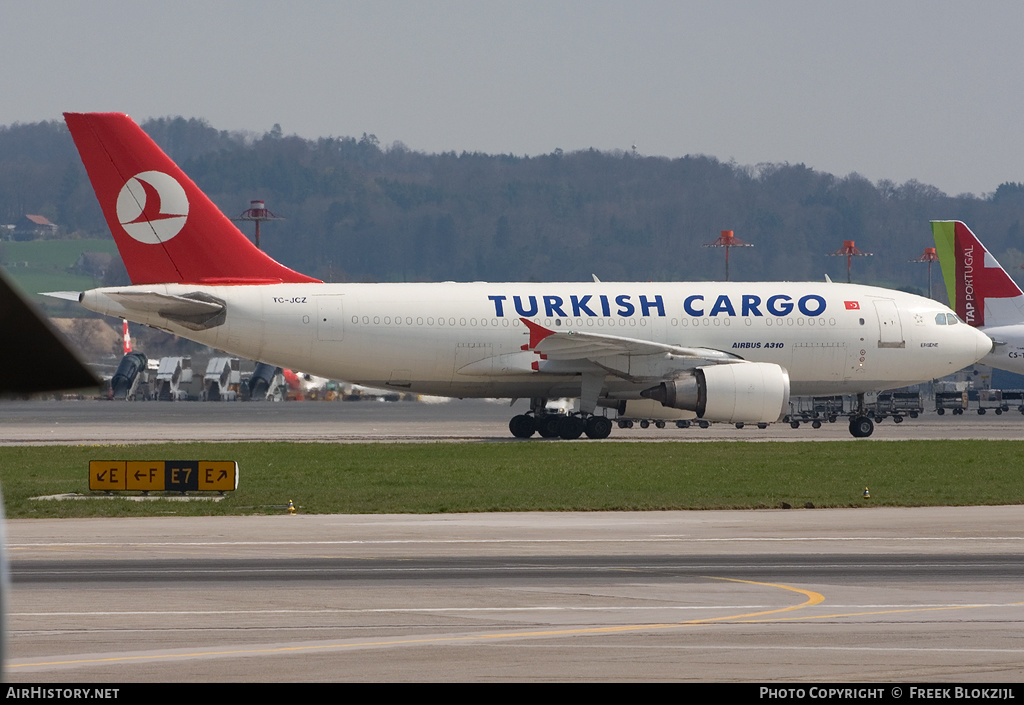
731 352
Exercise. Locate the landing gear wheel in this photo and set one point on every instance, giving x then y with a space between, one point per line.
549 426
598 427
571 428
522 426
861 426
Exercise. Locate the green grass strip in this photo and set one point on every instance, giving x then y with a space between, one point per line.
538 476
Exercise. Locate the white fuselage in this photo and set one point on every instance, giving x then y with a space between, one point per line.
1008 351
467 339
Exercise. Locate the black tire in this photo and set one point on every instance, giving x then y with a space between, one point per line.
571 428
549 426
522 426
861 426
598 427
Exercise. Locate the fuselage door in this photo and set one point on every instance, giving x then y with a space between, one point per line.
330 319
890 330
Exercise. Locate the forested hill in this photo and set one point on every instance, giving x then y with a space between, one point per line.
359 211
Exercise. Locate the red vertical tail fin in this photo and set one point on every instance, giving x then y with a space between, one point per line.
979 289
166 229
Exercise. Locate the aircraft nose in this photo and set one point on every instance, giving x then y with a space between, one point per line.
982 343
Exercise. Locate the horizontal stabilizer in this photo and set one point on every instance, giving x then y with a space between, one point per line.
166 304
196 311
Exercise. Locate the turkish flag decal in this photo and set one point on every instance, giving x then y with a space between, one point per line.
852 305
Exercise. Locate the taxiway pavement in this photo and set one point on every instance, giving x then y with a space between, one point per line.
811 595
783 595
94 422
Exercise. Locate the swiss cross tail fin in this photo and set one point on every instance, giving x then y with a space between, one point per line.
166 229
979 289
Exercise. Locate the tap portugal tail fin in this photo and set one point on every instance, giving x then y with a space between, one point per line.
979 289
166 229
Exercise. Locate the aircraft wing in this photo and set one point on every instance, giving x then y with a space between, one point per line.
576 345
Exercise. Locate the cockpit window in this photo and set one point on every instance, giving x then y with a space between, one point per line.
940 319
951 319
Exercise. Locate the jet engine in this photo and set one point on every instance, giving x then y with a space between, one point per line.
747 392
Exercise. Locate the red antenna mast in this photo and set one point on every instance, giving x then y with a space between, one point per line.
849 250
727 240
257 212
929 256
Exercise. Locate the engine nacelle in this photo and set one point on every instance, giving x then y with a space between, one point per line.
747 392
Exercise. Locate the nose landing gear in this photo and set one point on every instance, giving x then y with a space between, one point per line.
861 425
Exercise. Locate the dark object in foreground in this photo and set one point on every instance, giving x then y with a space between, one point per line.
34 356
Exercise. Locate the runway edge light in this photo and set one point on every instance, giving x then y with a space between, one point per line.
867 495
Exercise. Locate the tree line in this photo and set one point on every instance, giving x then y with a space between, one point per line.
358 211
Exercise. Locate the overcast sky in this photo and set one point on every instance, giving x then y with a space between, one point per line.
913 89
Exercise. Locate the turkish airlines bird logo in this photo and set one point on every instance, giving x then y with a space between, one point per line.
152 207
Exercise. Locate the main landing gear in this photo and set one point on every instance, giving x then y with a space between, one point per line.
861 425
550 425
560 426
